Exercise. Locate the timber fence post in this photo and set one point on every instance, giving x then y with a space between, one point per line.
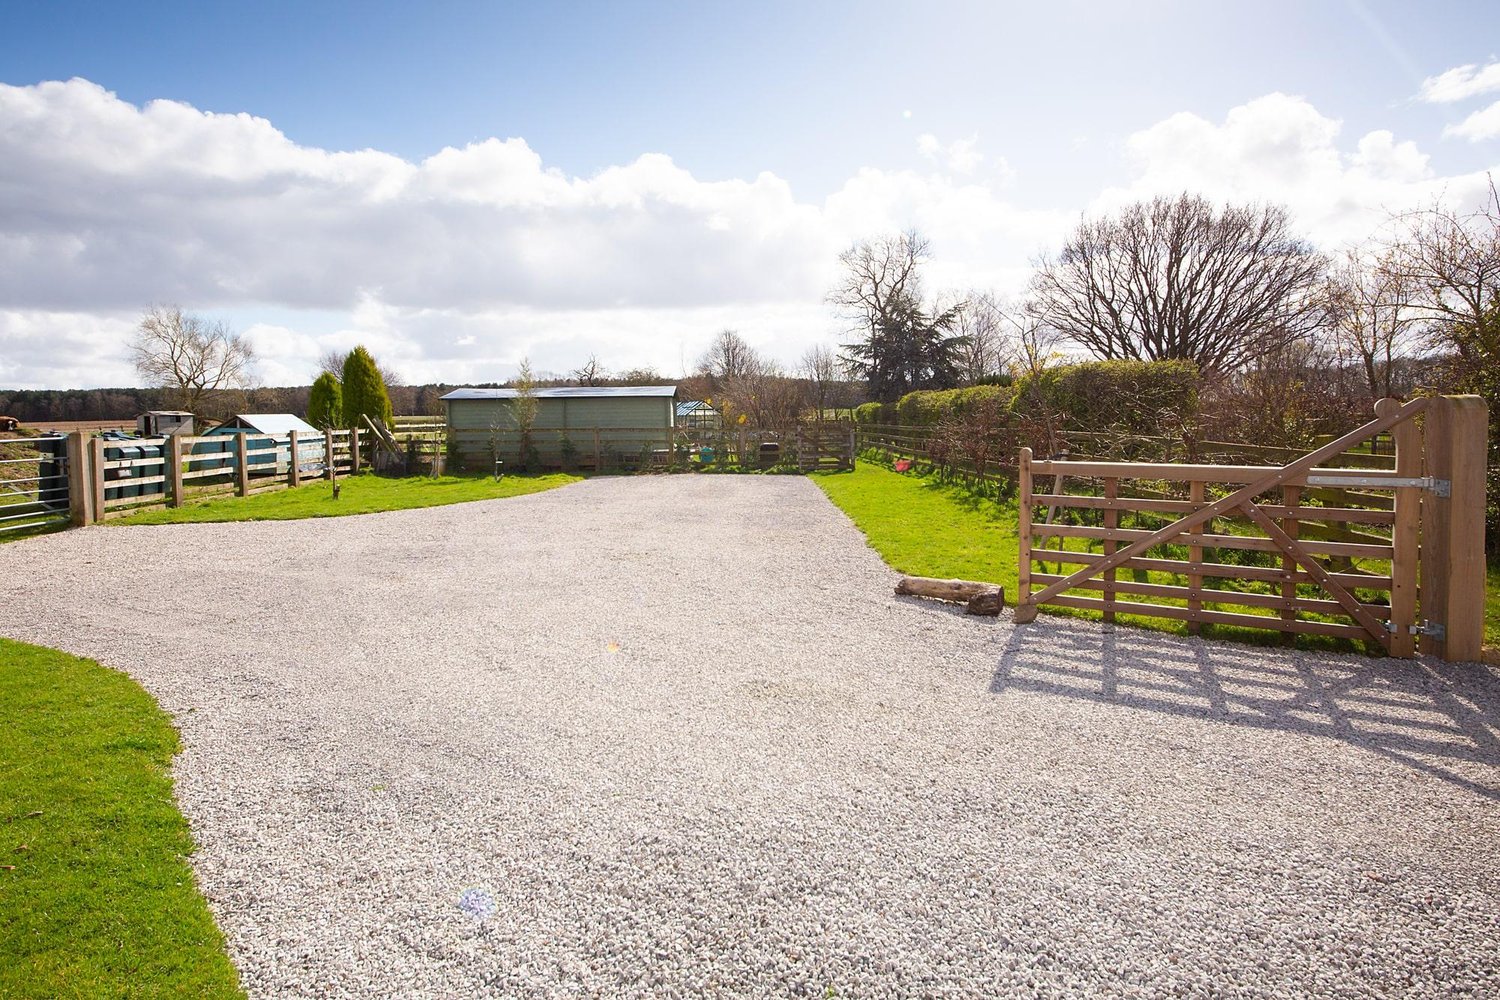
1407 437
294 466
1453 527
1025 610
241 464
80 482
96 479
174 470
328 459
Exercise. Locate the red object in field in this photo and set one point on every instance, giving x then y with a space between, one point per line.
903 464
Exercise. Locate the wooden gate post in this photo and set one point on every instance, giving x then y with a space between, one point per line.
354 451
1453 527
1025 610
294 468
1407 437
80 481
174 470
328 461
96 479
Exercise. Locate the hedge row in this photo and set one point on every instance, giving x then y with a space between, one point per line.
1138 397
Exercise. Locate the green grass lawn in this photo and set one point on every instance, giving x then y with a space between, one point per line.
1492 608
363 494
924 528
96 897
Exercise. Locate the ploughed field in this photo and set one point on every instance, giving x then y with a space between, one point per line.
675 736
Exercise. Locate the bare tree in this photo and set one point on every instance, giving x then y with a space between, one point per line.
986 349
728 358
820 368
881 278
591 372
1178 279
332 362
188 356
1451 261
1373 317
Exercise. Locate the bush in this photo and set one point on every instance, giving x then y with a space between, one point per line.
1133 397
364 390
930 407
325 403
875 413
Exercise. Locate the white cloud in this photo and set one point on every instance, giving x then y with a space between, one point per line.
961 156
1482 124
1460 82
457 266
1280 148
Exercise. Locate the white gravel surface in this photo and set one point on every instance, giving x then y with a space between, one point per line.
674 737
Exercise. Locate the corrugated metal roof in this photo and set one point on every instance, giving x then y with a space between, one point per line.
272 424
569 392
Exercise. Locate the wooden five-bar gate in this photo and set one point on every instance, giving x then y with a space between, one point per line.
1405 570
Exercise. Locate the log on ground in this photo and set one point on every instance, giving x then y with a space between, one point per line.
978 598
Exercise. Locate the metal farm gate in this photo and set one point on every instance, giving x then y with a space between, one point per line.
1295 549
33 483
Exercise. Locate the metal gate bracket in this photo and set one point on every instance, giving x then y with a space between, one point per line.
1437 487
1437 630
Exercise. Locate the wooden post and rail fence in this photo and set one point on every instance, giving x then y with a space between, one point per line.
112 478
1413 580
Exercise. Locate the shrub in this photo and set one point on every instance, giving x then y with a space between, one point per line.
875 413
325 403
928 408
364 390
1133 397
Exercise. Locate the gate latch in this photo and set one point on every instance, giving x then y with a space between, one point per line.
1437 630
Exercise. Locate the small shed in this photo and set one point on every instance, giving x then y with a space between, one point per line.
264 431
160 423
570 423
699 415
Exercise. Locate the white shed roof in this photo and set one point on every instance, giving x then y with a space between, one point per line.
273 424
569 392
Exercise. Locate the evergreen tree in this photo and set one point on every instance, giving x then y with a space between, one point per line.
325 403
364 390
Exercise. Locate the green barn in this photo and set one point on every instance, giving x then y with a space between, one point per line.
587 426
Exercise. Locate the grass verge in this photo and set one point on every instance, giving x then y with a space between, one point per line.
362 494
96 896
921 527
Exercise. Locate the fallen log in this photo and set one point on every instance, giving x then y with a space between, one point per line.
977 598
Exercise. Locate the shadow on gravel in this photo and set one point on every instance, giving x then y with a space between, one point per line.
1420 713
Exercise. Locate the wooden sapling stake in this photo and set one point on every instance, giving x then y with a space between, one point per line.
977 598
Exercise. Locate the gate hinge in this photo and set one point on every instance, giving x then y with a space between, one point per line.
1437 630
1437 487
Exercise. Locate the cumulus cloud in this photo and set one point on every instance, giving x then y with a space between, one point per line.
1460 83
456 266
1482 124
961 156
1281 148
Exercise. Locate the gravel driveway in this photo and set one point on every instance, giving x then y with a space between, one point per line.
670 736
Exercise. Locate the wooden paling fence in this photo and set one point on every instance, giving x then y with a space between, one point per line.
113 478
1432 528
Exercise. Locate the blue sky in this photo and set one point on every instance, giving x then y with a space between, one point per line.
790 129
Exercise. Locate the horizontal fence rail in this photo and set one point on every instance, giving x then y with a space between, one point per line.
121 476
1297 549
808 447
34 491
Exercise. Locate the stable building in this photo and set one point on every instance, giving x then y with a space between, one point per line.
573 424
